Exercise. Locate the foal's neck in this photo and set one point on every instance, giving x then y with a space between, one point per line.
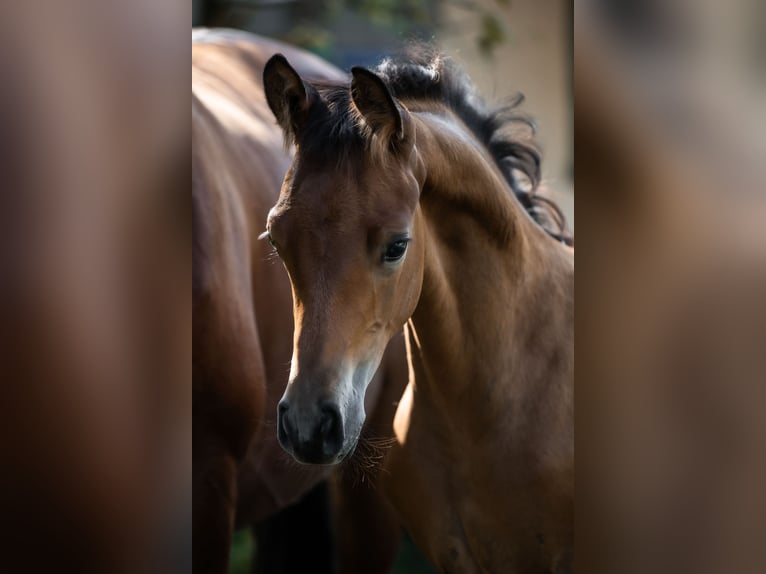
495 312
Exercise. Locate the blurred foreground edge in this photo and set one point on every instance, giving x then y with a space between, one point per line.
95 335
671 323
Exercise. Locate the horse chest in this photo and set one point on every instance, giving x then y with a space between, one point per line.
465 508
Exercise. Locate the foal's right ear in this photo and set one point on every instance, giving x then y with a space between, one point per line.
286 94
376 105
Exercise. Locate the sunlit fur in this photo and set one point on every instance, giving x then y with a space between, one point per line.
424 77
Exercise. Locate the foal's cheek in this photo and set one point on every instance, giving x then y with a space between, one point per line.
411 283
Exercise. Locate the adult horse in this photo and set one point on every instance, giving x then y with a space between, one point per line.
402 207
242 319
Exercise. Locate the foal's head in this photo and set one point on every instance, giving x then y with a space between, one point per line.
346 230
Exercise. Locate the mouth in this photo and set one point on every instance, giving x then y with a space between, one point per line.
343 457
339 458
324 462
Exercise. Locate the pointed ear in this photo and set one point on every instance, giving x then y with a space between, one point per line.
376 105
286 94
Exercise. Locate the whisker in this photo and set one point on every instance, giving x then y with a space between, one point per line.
366 464
272 256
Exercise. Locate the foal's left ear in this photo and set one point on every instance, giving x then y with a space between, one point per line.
376 105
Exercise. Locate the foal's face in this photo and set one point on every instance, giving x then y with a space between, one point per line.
347 233
354 252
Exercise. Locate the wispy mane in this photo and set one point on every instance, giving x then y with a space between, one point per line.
422 74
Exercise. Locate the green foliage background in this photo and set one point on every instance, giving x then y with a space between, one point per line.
402 17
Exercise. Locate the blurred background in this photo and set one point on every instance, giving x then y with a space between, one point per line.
507 46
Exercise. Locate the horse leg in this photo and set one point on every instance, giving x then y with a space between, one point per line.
297 539
214 505
367 526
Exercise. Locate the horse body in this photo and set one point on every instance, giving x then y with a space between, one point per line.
490 398
242 302
240 295
404 185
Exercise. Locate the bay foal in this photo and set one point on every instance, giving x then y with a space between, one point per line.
242 329
405 205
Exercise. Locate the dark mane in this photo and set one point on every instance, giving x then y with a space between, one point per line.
422 73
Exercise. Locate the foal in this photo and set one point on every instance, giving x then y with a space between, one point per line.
242 336
401 207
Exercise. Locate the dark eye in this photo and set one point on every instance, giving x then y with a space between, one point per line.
395 250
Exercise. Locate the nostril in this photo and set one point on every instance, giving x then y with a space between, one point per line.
331 428
329 420
283 432
330 416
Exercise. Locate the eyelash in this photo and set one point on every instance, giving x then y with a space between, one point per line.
273 251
